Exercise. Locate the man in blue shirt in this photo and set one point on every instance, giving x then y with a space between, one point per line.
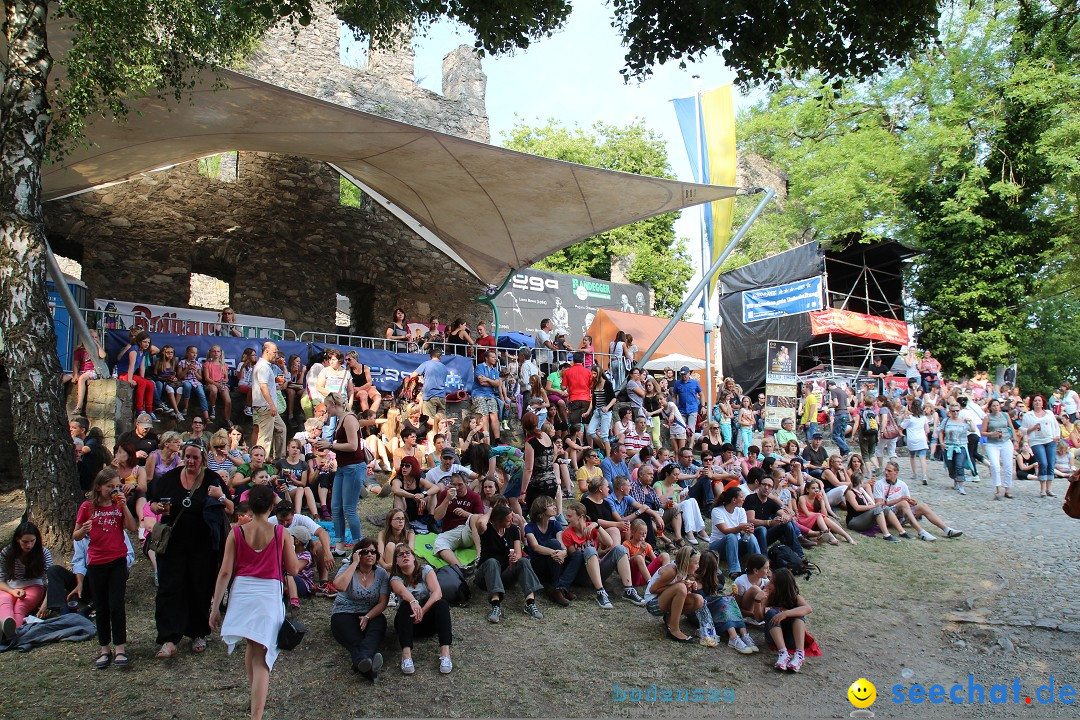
688 397
434 372
614 465
487 387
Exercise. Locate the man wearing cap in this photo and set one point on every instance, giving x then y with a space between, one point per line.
285 516
447 467
434 373
142 437
576 380
688 397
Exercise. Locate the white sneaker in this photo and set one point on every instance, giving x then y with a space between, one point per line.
393 602
925 535
739 646
179 416
749 642
407 666
445 665
691 538
781 660
960 489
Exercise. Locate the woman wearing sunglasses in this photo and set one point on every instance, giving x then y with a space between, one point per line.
357 622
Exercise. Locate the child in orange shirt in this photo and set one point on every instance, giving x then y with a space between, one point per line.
643 559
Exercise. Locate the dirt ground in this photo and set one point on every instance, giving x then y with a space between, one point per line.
880 612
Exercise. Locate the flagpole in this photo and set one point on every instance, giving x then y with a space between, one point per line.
705 250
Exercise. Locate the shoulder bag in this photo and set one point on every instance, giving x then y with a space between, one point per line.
162 532
291 632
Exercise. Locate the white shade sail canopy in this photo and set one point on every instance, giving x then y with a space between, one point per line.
490 209
674 362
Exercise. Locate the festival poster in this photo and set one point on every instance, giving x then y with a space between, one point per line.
780 362
781 401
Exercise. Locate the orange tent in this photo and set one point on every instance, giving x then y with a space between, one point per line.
686 339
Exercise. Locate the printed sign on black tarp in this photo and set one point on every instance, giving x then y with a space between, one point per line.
571 301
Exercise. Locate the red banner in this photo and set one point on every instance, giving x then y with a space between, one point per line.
845 322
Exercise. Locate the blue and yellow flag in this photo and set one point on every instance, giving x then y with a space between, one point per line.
716 125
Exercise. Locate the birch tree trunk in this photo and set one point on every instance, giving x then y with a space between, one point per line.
46 452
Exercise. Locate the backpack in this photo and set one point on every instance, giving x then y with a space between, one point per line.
408 392
781 556
1071 506
869 418
454 587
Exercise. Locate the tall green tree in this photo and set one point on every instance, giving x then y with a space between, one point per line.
657 258
968 153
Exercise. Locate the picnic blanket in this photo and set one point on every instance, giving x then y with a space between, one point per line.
424 547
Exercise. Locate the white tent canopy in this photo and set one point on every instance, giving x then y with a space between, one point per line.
490 209
674 362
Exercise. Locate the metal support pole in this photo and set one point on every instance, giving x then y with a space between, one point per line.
769 195
75 312
489 300
705 249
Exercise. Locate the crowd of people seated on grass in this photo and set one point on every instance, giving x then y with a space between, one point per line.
625 486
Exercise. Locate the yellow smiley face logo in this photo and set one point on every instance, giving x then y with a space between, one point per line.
862 693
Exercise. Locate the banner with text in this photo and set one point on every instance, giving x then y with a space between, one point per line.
782 300
389 369
120 315
856 324
571 301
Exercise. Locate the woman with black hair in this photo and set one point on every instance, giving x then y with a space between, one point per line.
194 504
23 564
357 621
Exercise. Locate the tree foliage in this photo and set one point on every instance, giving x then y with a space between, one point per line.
764 41
968 153
656 257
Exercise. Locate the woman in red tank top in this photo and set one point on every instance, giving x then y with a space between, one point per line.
258 557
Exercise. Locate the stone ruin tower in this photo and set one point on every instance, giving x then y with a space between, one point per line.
273 227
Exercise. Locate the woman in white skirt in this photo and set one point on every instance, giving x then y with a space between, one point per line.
256 553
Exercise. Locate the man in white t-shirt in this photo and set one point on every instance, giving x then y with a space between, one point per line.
545 348
440 474
264 410
891 491
285 516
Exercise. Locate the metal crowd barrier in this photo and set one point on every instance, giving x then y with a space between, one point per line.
103 320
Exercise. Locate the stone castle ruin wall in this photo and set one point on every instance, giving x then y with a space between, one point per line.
272 226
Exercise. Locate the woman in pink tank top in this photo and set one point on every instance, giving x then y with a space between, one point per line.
256 558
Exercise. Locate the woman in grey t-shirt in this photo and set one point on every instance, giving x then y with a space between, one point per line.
357 621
